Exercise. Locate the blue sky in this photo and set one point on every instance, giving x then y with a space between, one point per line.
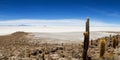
106 11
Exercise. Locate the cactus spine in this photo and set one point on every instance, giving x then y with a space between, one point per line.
86 41
102 47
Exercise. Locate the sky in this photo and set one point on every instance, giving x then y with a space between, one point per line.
102 12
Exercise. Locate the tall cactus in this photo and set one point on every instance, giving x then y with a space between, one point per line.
86 41
87 26
102 47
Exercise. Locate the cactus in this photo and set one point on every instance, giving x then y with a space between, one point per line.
86 41
43 52
102 47
110 42
43 56
110 36
91 42
117 38
62 44
115 42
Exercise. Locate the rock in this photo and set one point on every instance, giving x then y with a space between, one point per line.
36 52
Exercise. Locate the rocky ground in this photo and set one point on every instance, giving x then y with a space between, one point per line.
19 46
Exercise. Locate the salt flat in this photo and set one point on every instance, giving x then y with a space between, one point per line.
52 29
63 37
58 34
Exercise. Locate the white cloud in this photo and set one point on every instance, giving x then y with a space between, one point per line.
57 22
42 22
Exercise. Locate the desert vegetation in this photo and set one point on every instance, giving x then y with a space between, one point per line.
18 46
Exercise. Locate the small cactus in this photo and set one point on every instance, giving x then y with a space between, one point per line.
102 47
117 37
43 56
91 42
110 36
115 42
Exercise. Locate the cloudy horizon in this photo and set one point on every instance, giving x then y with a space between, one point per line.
55 22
